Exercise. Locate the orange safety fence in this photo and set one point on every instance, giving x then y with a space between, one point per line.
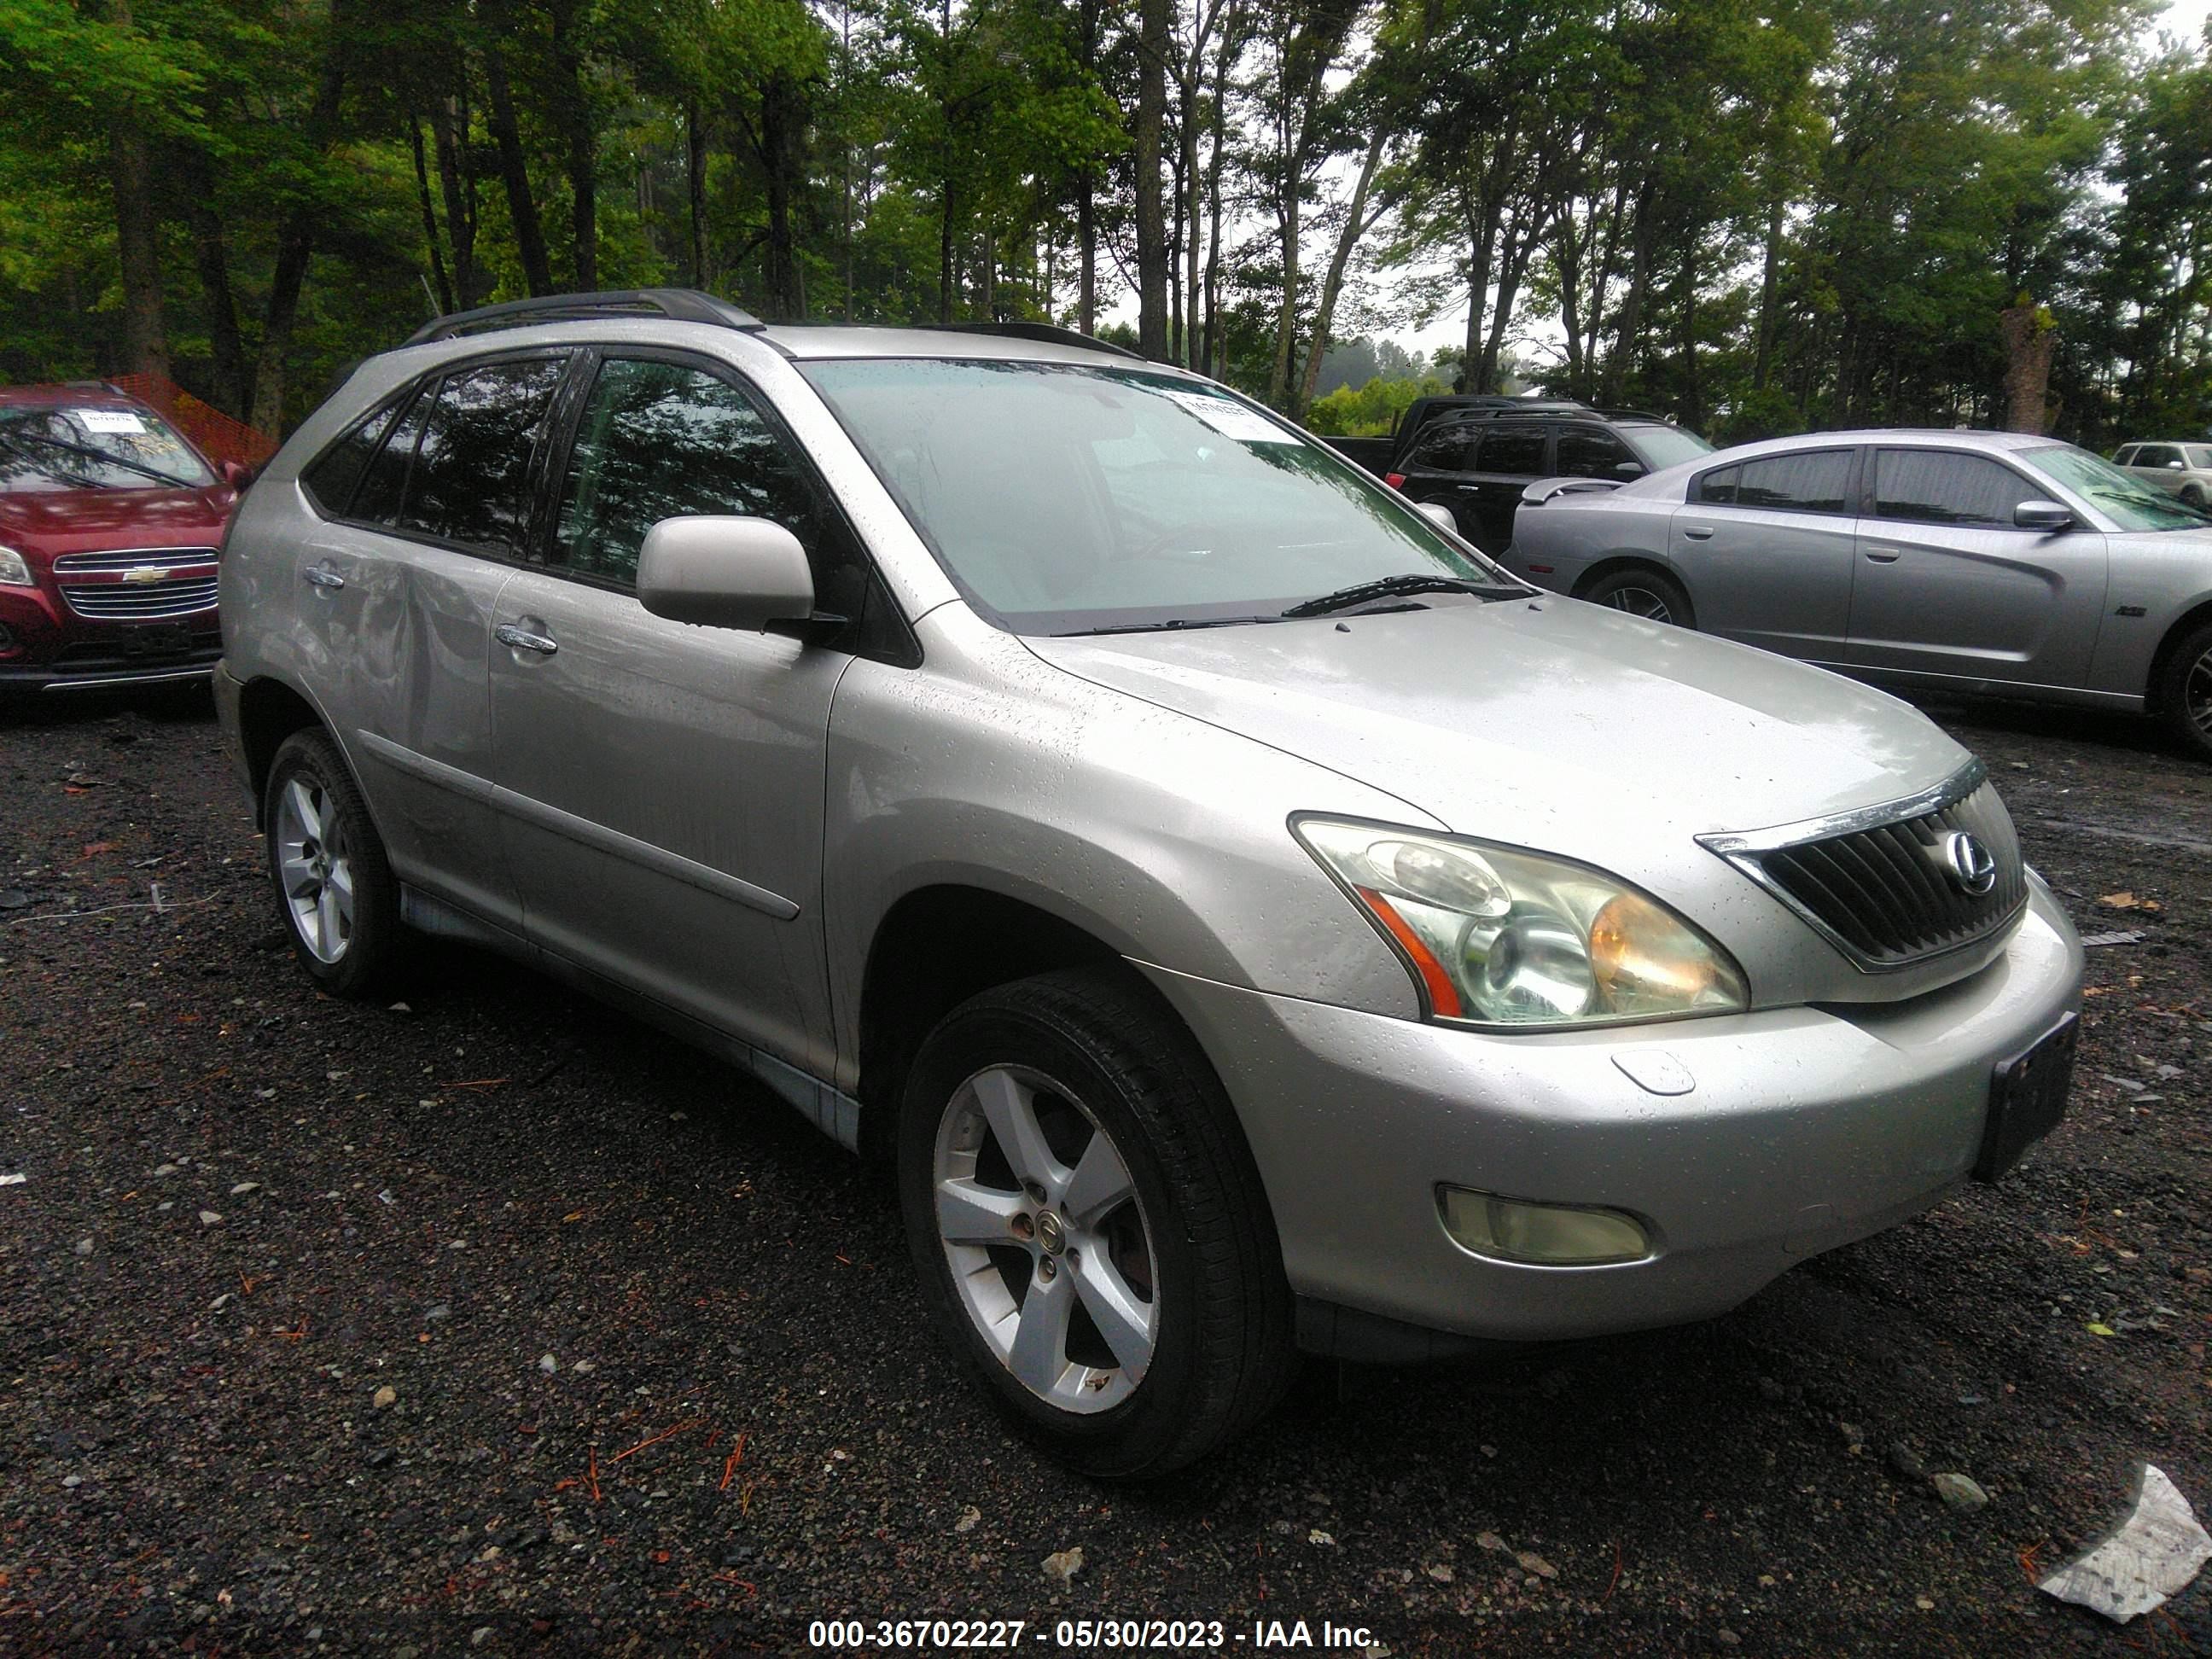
218 435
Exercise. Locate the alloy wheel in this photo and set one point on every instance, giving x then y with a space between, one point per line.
315 869
2196 695
1049 1249
1641 602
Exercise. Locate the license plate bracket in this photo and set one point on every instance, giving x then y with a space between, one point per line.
2027 1098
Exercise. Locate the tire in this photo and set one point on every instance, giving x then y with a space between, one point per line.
2194 495
2184 690
1168 1238
1643 591
334 887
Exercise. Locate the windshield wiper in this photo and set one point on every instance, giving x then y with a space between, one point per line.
1391 587
100 455
1170 624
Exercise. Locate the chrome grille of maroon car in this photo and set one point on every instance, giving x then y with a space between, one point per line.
140 585
1880 885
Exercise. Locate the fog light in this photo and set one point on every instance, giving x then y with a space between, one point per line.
10 644
1557 1235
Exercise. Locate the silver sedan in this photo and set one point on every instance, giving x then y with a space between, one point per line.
1984 561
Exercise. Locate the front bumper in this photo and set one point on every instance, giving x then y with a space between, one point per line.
47 647
1805 1128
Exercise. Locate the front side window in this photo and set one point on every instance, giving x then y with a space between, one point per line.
470 483
1068 498
1516 451
1931 486
664 440
55 447
2157 455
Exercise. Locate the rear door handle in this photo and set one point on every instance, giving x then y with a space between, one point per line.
1698 533
1884 554
321 576
522 639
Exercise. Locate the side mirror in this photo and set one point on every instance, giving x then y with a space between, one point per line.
1629 469
2175 466
2049 517
237 475
725 573
1438 514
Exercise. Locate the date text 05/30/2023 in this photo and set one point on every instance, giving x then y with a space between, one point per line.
1091 1635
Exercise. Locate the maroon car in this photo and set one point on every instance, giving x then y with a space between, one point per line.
109 526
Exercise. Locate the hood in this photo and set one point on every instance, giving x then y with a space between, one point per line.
54 521
1547 723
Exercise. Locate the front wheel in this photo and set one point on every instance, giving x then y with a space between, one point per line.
339 899
2186 691
1089 1228
1650 594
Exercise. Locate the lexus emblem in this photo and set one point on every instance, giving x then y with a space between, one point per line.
1970 864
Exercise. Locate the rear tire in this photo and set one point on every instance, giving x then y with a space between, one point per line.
1088 1227
1643 591
2184 690
335 889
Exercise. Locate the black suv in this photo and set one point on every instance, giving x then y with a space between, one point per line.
1478 461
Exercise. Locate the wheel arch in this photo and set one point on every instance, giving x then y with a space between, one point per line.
269 712
934 949
1630 559
2180 628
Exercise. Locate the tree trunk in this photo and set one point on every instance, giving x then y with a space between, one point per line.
1211 361
226 348
138 241
457 182
1151 221
2030 338
1769 283
579 142
1358 222
1692 412
430 237
783 117
515 174
944 273
1520 247
695 154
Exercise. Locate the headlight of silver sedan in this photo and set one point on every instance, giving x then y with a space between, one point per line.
1500 936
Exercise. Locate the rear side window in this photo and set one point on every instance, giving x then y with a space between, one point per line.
470 483
1448 449
384 485
333 475
666 440
1517 451
2126 457
1815 482
1585 452
1928 486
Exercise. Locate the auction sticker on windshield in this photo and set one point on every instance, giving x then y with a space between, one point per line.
1233 420
110 419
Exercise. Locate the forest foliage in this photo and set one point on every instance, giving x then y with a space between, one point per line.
1809 213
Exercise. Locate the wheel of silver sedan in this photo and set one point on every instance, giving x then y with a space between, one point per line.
1644 592
2196 695
1640 602
314 869
333 884
1088 1225
1046 1239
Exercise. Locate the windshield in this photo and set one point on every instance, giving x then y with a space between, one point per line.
1663 447
48 447
2133 504
1069 499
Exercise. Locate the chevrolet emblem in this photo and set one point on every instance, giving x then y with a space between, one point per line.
147 574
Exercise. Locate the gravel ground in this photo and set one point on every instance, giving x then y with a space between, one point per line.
492 1323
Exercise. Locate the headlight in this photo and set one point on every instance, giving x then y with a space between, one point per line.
13 573
1501 936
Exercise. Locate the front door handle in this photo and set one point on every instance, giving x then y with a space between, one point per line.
522 639
1884 554
1697 532
321 576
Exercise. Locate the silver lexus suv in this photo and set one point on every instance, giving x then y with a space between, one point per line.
1242 917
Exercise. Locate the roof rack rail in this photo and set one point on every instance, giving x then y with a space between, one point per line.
1046 333
682 304
1635 415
